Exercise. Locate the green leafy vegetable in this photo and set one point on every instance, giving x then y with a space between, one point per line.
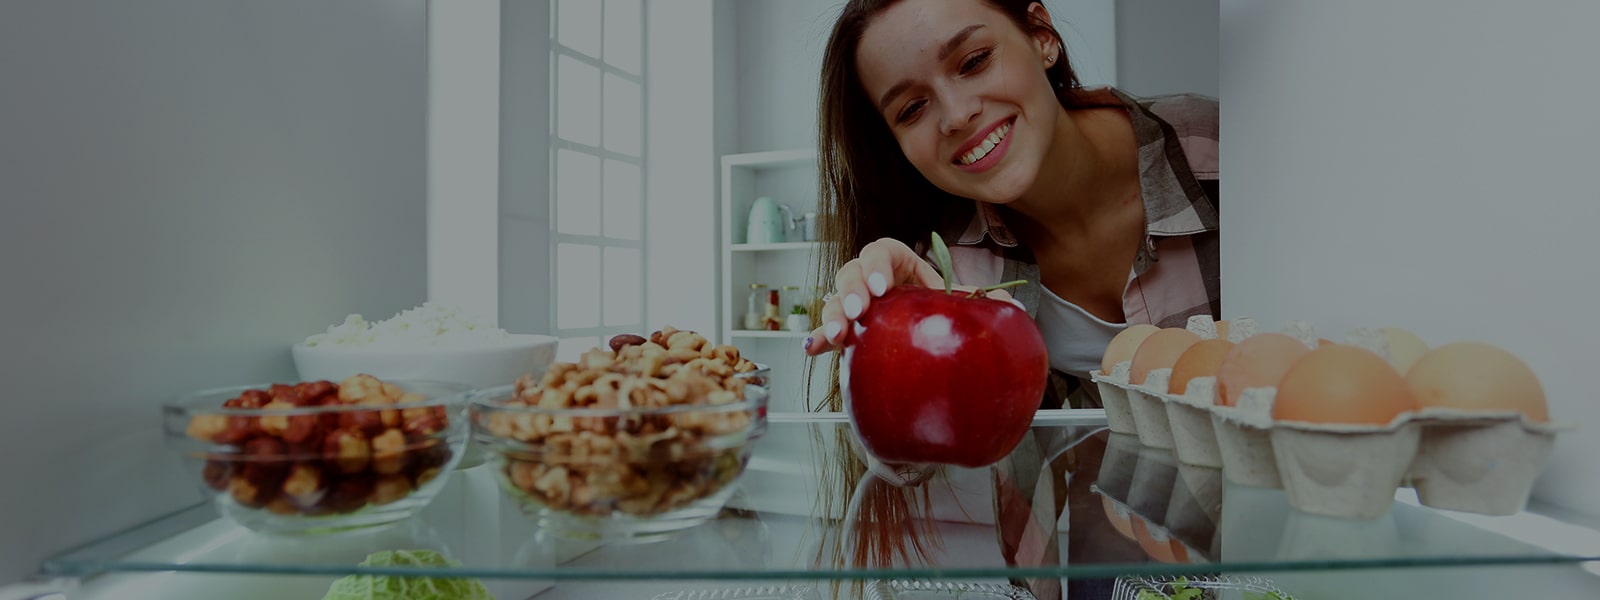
394 587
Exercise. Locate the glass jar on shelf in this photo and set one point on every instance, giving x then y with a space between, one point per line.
790 299
756 309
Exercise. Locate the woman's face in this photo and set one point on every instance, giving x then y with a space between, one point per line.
964 91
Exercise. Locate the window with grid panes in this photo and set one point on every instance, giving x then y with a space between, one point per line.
597 168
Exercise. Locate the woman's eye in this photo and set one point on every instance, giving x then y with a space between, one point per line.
974 61
909 112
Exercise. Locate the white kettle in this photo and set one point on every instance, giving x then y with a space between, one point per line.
768 222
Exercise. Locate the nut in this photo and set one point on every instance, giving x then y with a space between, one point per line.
216 474
282 506
248 400
619 342
368 422
361 389
246 493
425 475
238 430
318 393
348 450
388 452
206 428
347 494
264 462
390 488
276 424
423 427
304 485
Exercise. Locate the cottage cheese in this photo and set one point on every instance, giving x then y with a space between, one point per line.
429 325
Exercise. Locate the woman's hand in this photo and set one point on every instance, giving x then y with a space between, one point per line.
881 265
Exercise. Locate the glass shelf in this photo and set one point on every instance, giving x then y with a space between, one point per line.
1062 497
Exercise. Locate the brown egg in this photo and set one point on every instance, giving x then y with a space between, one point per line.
1119 521
1477 376
1200 360
1124 344
1159 351
1338 383
1258 361
1324 342
1404 347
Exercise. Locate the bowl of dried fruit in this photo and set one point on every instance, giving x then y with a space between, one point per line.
626 444
320 456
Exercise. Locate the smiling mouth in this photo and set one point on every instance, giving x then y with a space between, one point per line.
982 149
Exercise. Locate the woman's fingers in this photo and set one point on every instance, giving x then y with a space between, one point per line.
888 262
831 334
881 265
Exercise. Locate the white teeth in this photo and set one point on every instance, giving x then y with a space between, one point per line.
982 150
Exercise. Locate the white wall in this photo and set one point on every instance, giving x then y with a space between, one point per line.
524 173
681 171
1167 46
1426 164
464 155
188 188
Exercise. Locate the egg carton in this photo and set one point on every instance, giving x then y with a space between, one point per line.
1194 435
1460 460
1478 462
1113 389
1468 461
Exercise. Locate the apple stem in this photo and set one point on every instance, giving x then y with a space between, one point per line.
941 256
998 286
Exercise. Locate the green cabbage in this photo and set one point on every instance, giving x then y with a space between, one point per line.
394 587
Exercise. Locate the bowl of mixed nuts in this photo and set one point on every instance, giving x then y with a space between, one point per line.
320 456
631 443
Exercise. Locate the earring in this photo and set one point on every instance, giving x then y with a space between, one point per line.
1050 59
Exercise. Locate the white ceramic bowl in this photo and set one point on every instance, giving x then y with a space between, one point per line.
486 365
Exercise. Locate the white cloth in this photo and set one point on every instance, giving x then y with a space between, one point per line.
1075 339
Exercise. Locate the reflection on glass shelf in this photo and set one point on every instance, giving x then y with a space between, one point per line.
1125 509
764 333
776 246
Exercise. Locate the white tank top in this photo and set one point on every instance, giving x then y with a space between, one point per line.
1075 339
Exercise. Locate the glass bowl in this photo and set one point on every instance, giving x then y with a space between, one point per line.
618 473
319 456
762 375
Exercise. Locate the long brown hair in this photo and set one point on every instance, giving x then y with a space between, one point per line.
869 190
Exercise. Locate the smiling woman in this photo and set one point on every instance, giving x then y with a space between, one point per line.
967 118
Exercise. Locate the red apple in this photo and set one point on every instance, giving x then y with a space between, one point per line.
936 377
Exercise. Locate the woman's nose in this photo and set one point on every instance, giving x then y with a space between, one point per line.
959 110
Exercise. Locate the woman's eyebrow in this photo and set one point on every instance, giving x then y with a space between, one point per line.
949 47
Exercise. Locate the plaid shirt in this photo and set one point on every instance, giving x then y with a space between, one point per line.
1175 273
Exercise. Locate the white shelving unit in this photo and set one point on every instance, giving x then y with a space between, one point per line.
790 178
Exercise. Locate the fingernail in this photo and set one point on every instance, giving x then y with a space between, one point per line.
832 330
806 345
852 306
877 284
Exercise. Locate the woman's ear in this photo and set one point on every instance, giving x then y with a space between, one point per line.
1041 34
